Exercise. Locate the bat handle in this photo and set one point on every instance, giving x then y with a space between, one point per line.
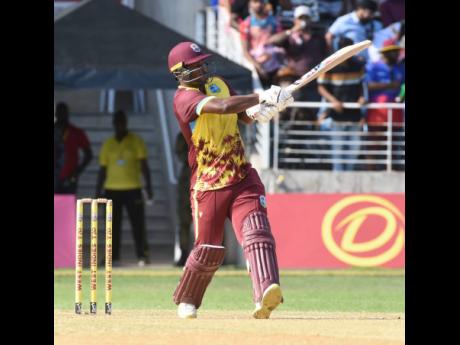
291 88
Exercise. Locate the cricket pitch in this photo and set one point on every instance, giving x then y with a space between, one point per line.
145 327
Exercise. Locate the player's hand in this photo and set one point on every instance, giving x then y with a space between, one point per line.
262 113
278 96
337 106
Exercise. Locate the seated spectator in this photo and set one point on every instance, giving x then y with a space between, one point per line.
384 81
392 11
304 48
255 31
358 26
344 83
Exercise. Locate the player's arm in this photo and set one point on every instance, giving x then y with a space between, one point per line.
279 38
230 105
324 92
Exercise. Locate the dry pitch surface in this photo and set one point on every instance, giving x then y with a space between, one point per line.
145 327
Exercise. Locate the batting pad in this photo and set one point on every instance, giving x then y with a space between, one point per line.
202 263
259 249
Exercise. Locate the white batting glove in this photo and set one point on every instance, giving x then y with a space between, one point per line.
276 95
262 113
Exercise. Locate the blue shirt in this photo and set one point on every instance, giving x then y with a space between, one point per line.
379 72
349 26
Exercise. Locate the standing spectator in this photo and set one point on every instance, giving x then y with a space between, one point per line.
384 79
392 11
184 208
358 26
255 31
344 83
394 32
238 10
123 160
304 48
75 140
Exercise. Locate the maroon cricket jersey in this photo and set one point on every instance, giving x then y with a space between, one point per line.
216 150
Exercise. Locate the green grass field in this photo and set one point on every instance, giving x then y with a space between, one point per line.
355 290
345 307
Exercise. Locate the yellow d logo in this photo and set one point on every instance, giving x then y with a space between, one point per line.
348 249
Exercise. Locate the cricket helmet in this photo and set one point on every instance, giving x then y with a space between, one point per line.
183 54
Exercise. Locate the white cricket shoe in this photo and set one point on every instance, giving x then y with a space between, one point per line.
271 298
186 311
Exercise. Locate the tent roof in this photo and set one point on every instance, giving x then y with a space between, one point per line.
103 44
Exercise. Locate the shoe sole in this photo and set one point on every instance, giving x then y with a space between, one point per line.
188 317
271 299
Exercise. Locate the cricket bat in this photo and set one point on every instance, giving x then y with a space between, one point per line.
330 62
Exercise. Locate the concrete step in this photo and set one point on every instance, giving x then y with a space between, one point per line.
102 121
156 166
99 136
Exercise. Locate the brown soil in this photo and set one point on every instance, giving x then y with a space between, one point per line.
145 327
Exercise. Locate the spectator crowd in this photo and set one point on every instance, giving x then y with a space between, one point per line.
283 39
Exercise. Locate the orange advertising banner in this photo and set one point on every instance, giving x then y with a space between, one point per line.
338 230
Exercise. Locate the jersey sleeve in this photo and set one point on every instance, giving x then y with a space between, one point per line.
189 103
336 27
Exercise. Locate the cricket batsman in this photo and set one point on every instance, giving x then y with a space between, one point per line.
223 183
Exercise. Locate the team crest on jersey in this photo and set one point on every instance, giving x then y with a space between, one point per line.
214 88
263 201
195 48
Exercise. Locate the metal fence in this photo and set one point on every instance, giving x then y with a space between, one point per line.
339 146
299 144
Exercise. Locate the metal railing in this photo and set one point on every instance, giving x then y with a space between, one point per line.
297 144
334 145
